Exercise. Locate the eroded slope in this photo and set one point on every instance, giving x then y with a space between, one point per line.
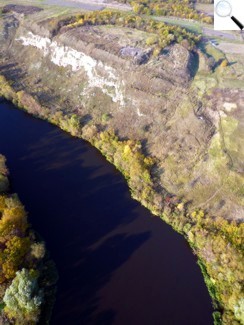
115 85
110 76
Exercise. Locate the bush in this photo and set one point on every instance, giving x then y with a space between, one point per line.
224 63
217 318
106 117
38 250
151 40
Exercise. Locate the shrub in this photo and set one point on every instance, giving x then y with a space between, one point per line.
38 250
106 117
224 63
217 318
151 40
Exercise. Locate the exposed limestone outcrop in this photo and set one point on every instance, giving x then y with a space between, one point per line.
96 70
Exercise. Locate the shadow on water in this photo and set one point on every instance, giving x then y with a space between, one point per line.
88 271
117 264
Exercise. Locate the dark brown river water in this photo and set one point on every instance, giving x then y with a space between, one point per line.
117 263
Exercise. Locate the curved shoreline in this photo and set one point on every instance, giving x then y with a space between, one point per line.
111 253
196 227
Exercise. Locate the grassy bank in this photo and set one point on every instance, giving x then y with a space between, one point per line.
216 242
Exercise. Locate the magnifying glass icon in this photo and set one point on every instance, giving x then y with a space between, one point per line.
223 9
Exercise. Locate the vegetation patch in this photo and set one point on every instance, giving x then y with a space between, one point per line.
218 243
165 34
26 287
177 8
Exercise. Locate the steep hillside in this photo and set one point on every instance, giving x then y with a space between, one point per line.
167 114
115 77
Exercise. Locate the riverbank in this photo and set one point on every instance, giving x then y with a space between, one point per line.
112 255
208 237
23 262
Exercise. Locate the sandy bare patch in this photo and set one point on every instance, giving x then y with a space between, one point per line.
229 106
231 48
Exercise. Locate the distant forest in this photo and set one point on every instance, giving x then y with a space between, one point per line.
177 8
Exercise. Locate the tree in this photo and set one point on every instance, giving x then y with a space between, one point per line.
13 256
74 124
23 298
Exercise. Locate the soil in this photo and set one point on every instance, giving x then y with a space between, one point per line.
177 112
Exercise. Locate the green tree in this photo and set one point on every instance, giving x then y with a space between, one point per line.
23 298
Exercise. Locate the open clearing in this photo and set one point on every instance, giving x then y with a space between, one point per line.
231 48
205 7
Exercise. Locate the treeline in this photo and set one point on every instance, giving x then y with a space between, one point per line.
178 8
26 275
217 242
164 34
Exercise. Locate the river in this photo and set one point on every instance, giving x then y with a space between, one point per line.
117 263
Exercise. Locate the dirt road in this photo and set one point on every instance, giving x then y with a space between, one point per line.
89 5
76 4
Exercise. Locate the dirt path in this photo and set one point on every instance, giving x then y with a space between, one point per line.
104 3
89 5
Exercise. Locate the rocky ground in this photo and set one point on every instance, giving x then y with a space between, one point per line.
186 115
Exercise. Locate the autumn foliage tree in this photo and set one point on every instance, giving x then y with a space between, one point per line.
21 262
